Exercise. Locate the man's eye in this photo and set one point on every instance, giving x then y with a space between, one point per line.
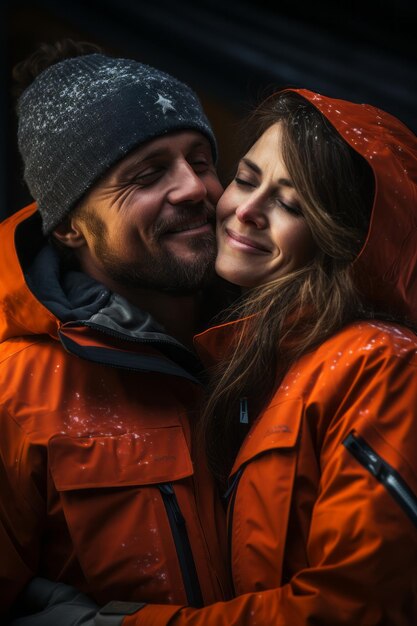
148 176
199 165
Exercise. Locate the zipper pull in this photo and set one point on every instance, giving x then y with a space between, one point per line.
244 413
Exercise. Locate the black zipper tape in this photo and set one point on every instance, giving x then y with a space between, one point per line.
384 473
182 545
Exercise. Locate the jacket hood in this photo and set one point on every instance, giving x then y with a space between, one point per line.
385 270
36 296
21 231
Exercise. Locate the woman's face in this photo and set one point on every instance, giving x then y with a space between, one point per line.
261 232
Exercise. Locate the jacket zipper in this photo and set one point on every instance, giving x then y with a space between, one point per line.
231 493
384 473
182 545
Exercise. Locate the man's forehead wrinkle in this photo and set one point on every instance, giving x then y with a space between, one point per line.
135 161
144 154
186 140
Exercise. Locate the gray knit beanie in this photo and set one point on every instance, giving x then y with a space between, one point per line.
83 114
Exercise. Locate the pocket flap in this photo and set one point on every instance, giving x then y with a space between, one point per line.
150 456
276 428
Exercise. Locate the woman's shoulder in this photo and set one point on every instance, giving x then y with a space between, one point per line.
370 337
356 354
365 344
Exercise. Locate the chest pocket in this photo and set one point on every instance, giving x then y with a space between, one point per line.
260 502
108 488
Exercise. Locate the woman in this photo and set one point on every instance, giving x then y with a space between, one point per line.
322 504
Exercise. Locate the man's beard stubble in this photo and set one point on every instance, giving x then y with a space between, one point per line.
161 272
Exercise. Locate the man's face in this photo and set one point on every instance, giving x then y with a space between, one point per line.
149 223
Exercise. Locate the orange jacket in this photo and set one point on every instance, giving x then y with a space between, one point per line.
322 506
96 477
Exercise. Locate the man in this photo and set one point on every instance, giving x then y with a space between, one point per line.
97 379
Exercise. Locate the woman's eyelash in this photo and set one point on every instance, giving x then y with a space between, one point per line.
242 181
293 209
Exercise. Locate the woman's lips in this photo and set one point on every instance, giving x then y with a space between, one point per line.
244 243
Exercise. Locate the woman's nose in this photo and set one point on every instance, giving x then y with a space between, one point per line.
251 211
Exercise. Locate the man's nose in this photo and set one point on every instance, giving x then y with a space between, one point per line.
187 185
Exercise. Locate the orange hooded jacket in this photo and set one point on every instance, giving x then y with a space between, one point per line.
322 505
97 483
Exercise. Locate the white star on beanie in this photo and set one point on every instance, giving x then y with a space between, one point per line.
165 104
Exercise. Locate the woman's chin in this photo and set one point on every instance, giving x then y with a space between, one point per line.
236 279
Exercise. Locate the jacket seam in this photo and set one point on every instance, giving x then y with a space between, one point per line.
25 437
26 347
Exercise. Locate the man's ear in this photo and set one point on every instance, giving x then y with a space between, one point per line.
69 233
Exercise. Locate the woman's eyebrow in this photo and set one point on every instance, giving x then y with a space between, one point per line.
252 165
284 182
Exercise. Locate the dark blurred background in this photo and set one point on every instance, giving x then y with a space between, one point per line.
231 52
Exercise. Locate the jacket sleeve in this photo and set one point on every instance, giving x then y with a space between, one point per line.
22 510
362 543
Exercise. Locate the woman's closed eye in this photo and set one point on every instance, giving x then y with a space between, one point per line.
290 207
243 182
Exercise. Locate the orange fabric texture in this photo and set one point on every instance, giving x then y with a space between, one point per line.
318 534
83 448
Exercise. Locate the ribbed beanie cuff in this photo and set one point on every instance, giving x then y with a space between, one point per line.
82 115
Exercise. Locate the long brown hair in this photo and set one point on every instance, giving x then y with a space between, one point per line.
287 317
